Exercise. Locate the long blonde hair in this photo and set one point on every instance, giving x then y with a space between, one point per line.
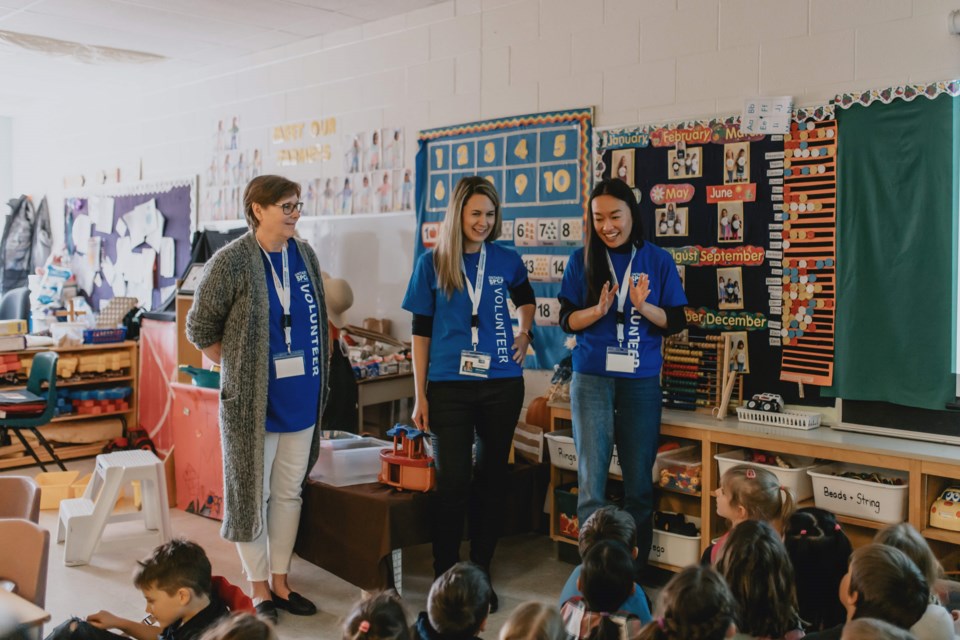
448 255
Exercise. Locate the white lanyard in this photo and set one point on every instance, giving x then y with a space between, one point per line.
623 291
475 292
283 291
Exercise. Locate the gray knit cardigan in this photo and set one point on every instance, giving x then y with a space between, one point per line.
231 306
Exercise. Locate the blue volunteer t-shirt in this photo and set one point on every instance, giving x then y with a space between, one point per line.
292 402
451 317
666 290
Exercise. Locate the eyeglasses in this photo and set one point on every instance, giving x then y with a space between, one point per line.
288 207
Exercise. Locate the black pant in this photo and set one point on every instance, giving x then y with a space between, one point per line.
485 411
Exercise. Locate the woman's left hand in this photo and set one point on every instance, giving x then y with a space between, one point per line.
520 344
639 291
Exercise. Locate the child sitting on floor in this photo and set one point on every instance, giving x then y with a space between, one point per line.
695 605
606 581
175 581
749 493
378 617
457 606
609 523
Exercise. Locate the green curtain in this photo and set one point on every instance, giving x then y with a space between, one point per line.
897 226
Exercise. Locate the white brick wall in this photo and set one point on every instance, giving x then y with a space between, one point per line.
633 60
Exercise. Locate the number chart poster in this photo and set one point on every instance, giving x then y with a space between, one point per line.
718 202
540 165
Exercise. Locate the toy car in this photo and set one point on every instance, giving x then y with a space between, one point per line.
945 511
769 402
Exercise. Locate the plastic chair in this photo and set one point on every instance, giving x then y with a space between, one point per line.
43 369
15 304
23 558
19 498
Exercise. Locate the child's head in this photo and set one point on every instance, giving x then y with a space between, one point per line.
173 579
755 564
533 621
884 583
378 617
820 552
240 626
904 537
608 523
752 493
606 579
873 629
695 605
459 601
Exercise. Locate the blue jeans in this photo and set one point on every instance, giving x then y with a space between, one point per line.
626 412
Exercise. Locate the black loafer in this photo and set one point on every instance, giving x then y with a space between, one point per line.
268 611
295 604
494 601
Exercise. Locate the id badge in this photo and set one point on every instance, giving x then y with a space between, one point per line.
474 363
288 365
621 360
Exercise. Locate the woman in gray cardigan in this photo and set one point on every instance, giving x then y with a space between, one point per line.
259 311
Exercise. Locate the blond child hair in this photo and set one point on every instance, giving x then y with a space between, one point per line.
760 494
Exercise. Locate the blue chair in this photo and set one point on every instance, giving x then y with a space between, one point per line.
43 369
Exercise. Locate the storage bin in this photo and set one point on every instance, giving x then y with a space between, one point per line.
805 420
563 451
795 479
565 506
346 461
680 470
54 487
860 498
675 549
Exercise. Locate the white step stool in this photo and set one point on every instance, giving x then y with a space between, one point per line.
82 520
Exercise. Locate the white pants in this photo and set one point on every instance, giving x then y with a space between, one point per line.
285 457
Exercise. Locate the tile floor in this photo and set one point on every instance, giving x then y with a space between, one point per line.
526 568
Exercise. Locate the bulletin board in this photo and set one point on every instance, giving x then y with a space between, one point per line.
92 241
540 165
731 209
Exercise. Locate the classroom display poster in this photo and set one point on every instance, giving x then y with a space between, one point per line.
130 240
540 165
749 221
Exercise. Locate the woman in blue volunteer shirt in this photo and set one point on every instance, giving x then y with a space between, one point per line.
468 366
620 295
259 311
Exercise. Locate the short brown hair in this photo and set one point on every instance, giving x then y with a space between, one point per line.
533 621
174 565
459 600
608 523
904 537
378 617
265 191
888 585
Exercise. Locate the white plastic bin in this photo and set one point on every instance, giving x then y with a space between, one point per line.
563 451
346 459
796 479
860 498
675 549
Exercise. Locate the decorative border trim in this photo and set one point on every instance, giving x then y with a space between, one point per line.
142 188
908 92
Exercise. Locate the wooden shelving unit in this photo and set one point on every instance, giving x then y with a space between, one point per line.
930 468
13 455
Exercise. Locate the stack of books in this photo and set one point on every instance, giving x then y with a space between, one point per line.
21 403
13 335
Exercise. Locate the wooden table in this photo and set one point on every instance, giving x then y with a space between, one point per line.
25 612
380 389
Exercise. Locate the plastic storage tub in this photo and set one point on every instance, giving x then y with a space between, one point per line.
563 451
860 498
680 470
675 549
796 479
54 487
347 459
565 505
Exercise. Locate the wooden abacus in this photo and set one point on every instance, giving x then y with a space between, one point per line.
693 373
